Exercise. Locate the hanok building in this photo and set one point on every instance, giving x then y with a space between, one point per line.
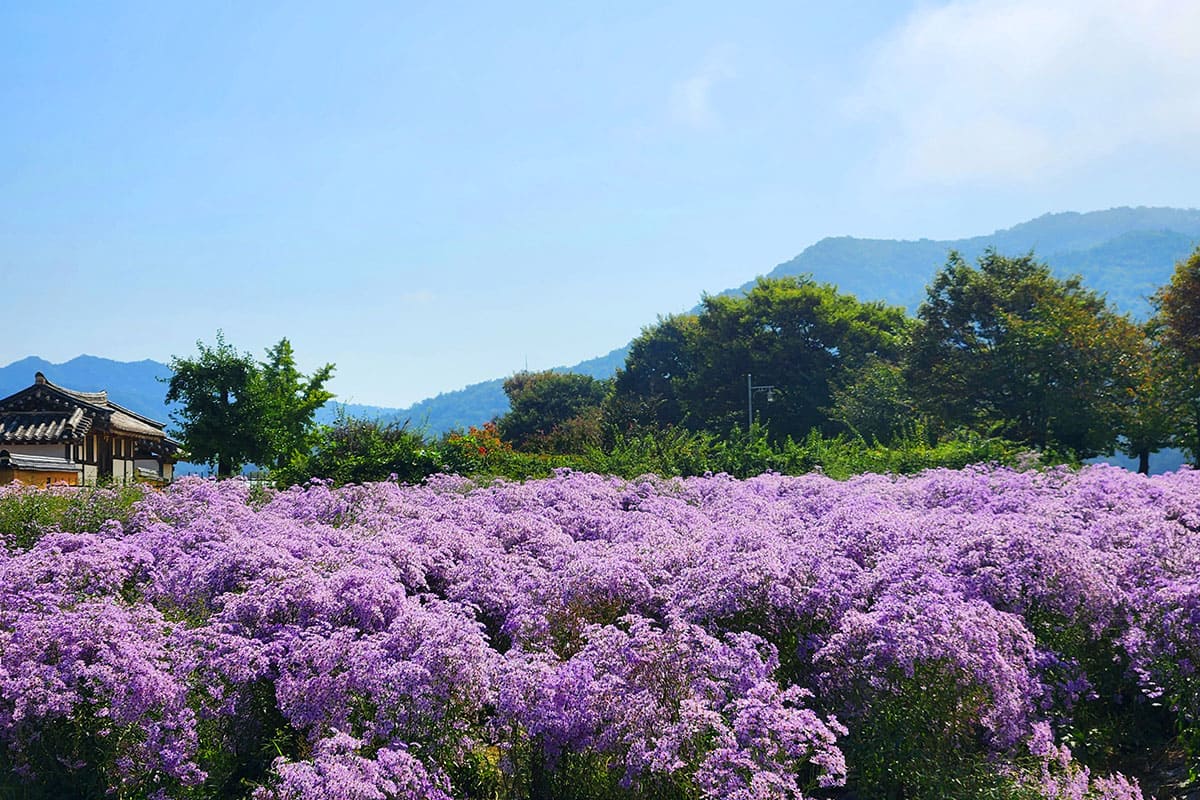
50 434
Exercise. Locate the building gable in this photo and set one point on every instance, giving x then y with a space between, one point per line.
105 440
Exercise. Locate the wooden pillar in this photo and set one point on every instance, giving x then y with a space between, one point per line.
105 457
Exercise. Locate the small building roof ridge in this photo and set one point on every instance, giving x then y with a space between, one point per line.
42 426
101 399
135 414
97 400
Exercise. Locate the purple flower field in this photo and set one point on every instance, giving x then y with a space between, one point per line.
973 633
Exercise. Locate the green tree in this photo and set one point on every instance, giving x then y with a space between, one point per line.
220 415
1178 321
552 411
873 402
1008 347
1150 412
289 402
791 333
648 392
236 411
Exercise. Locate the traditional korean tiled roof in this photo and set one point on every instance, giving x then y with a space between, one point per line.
43 427
128 422
46 413
95 398
36 463
122 418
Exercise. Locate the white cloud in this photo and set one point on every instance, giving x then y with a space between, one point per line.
1012 90
692 98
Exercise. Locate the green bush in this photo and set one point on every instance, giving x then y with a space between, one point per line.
748 452
358 451
27 513
361 450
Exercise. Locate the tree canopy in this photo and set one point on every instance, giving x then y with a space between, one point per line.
793 334
220 413
1008 347
551 409
1178 324
289 400
649 392
236 411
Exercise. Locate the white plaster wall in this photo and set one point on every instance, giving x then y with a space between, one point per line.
90 474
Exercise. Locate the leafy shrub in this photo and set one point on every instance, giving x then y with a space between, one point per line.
360 450
27 514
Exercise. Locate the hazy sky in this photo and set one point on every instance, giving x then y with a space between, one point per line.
433 194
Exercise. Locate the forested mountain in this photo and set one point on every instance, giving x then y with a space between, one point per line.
138 385
1126 253
133 384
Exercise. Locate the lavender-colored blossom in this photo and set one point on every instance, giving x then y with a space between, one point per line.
710 633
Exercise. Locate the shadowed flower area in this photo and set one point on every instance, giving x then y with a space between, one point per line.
975 633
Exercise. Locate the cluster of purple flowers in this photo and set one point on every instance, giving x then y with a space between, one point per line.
702 637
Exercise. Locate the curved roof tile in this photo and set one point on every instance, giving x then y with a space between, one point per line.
43 427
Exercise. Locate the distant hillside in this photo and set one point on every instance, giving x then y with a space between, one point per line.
138 385
1125 252
133 384
1129 268
480 402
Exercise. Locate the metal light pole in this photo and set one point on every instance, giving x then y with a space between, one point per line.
750 390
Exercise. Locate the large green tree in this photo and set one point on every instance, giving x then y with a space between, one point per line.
289 401
552 411
874 402
1150 410
219 415
236 411
1007 347
792 334
649 391
1178 321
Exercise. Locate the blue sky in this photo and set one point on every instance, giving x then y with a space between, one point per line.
431 196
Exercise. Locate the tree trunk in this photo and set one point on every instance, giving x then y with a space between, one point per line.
224 467
1144 462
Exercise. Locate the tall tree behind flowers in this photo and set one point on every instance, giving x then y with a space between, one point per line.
1178 320
236 411
289 402
1007 347
219 416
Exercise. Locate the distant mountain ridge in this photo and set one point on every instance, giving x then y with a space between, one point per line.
480 402
133 384
1125 252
